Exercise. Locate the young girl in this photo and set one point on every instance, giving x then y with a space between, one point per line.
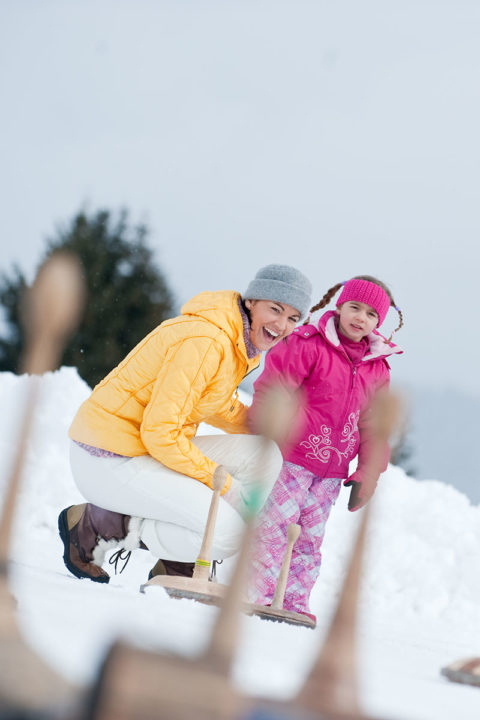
337 365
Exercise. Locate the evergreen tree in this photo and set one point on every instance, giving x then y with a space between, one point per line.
127 296
11 292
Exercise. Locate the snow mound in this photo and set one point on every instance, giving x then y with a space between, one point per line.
424 536
419 598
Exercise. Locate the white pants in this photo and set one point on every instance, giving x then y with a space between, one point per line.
174 507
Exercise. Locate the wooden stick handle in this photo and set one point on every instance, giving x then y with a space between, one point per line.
293 531
331 686
225 632
203 561
224 637
53 307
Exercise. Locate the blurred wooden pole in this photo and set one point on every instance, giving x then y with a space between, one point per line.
51 312
331 686
225 633
139 685
332 683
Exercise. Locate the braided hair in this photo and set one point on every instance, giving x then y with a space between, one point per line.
369 278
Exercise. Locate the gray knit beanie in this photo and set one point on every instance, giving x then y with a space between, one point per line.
281 283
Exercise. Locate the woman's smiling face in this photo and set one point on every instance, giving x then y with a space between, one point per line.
270 322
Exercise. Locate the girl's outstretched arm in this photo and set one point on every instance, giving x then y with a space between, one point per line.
372 461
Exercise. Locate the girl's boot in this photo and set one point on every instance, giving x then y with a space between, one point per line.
88 532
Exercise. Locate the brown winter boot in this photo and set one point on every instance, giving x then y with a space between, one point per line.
87 533
171 567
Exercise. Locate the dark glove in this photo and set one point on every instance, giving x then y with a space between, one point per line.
361 492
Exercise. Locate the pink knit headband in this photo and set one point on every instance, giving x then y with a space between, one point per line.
366 292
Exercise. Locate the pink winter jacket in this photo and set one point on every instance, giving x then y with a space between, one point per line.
331 426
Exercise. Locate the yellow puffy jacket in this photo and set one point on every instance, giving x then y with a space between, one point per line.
184 372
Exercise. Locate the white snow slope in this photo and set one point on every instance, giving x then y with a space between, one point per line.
419 609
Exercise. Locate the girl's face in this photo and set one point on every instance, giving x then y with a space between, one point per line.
270 322
356 319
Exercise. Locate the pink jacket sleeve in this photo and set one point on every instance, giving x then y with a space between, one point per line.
365 448
371 463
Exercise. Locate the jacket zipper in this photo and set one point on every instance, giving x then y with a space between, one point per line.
354 372
241 379
347 403
352 385
248 373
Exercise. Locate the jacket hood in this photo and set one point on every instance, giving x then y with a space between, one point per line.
221 309
326 326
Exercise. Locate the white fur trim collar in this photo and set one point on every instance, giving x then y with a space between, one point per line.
331 331
379 347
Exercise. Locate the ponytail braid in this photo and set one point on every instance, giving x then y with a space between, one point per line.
325 300
400 324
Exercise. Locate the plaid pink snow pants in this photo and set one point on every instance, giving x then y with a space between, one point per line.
298 496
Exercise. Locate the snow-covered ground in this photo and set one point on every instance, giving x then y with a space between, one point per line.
419 609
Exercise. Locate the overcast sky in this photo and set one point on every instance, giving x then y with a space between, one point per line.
341 137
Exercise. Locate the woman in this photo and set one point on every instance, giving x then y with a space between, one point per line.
134 454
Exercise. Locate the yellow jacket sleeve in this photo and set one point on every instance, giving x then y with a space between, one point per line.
186 373
235 421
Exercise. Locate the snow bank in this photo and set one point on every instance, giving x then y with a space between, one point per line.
47 482
424 537
424 550
420 590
